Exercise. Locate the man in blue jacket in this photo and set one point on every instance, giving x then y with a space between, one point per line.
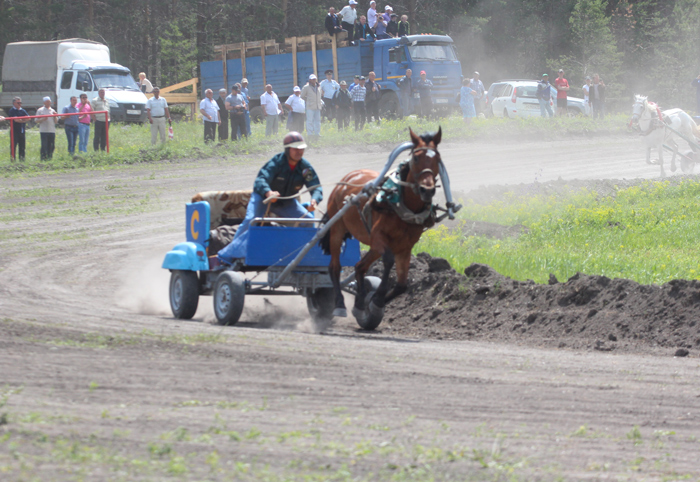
283 176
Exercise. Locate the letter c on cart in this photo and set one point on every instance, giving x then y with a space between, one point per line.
193 220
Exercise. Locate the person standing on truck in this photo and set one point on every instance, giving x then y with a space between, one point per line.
404 26
425 91
349 15
392 28
359 93
282 176
47 129
70 124
235 105
329 87
363 31
158 112
380 28
84 120
223 113
372 15
271 110
373 98
99 140
210 115
144 84
311 93
18 127
343 103
405 85
562 86
332 22
297 111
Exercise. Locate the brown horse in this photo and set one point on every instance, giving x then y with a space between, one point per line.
390 237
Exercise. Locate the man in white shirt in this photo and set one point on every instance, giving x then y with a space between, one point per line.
157 109
271 110
372 15
297 111
586 99
210 114
47 129
329 87
349 14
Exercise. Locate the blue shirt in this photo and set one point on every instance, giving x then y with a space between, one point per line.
71 120
15 112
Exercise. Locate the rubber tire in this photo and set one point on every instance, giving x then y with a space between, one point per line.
184 294
687 166
229 297
321 305
256 115
370 322
389 105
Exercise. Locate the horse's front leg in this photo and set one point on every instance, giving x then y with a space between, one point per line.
403 262
649 156
336 243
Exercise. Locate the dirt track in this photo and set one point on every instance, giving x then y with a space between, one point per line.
114 388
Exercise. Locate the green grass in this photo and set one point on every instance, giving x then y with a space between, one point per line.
131 143
647 233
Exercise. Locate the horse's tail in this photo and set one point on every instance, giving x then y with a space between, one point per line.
325 242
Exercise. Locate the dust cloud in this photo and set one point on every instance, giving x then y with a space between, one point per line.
144 286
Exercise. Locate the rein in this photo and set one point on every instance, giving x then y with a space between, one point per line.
653 125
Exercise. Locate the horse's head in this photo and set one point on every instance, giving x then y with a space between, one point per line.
425 163
638 108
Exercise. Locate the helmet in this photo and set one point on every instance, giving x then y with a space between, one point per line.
294 139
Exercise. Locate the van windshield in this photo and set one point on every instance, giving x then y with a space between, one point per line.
114 80
432 52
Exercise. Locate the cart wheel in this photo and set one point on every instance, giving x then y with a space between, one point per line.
372 318
321 305
229 295
184 294
687 166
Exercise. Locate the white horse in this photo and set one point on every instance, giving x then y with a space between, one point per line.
655 127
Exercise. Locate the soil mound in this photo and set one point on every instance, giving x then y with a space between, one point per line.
585 312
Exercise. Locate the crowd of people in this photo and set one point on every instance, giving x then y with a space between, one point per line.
593 95
373 25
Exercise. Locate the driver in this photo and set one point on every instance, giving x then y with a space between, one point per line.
282 176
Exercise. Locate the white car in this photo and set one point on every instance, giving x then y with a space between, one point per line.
518 98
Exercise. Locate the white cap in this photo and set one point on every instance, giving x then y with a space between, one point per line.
296 88
312 77
352 2
47 98
388 8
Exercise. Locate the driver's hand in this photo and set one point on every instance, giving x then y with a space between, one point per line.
272 194
312 205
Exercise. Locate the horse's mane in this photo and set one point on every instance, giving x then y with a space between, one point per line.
640 98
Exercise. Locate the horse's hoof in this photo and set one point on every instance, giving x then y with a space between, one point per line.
358 314
340 313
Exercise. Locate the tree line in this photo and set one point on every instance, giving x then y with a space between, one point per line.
637 46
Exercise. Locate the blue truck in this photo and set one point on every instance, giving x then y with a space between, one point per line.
388 58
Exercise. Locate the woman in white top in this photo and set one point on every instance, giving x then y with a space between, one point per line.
145 84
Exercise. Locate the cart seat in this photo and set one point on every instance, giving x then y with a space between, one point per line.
224 205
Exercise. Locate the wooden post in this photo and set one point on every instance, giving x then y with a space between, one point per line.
334 43
294 60
313 54
224 52
243 60
262 60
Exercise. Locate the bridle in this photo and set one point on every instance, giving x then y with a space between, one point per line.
647 107
430 152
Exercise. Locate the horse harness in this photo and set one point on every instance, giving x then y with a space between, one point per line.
657 122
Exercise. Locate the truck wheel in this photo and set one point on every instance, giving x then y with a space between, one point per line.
321 304
184 294
229 296
389 105
256 114
372 319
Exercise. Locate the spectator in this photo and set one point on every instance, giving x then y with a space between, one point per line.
696 84
144 84
47 129
478 87
210 115
372 98
380 28
355 83
387 13
466 102
84 120
404 26
597 97
392 28
342 101
349 15
332 22
311 93
243 89
297 111
406 91
157 110
99 140
358 104
544 95
562 86
272 108
329 87
235 105
223 113
19 127
586 99
425 91
372 15
70 125
363 31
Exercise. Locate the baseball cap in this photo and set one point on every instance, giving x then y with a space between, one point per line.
357 76
422 72
394 15
561 70
388 8
294 139
312 77
329 71
342 82
47 98
476 73
220 90
296 88
545 75
362 77
588 77
352 2
244 80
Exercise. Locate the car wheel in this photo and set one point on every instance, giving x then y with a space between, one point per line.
229 296
184 294
321 305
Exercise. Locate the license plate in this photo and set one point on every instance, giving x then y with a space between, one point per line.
441 101
532 106
133 112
